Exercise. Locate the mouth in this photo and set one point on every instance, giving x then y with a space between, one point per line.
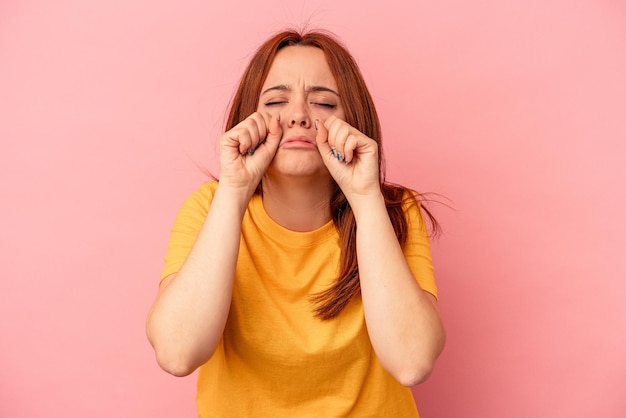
298 142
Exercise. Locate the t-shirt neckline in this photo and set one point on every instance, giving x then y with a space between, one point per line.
287 236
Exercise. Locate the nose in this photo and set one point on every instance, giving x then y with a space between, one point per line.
299 116
304 122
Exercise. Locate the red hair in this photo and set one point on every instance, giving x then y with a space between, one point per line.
361 114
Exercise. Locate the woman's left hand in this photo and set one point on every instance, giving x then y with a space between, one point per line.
350 156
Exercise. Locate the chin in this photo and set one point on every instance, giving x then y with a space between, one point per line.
304 164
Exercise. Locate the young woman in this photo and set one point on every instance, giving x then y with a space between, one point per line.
300 283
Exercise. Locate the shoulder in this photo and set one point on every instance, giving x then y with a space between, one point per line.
412 207
206 191
397 196
202 197
406 211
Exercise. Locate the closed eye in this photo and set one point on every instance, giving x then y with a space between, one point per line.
328 105
274 103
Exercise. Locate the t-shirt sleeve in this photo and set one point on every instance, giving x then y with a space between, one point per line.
417 249
186 227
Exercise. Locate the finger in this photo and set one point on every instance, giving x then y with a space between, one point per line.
241 134
338 134
349 148
257 129
321 139
274 133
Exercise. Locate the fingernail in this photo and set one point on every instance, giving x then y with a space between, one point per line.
339 156
332 151
316 124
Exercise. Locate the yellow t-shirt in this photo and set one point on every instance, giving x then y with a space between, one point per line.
277 359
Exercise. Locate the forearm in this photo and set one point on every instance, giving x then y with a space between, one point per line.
402 320
188 317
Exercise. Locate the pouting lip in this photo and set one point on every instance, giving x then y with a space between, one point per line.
299 139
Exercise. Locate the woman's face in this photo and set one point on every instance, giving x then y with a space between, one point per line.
301 88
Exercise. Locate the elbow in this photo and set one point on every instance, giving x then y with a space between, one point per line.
177 359
176 364
178 370
174 358
412 373
412 376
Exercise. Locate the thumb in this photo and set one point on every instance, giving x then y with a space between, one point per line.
274 134
321 138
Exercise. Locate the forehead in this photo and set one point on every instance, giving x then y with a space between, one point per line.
294 65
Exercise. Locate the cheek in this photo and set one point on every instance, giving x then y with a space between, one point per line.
339 112
268 110
325 114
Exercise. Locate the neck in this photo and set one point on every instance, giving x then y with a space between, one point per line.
296 203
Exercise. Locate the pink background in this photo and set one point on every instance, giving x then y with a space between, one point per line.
514 111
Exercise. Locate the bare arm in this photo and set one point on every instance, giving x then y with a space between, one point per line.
189 314
188 317
402 320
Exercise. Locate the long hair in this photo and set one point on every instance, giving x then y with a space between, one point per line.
361 114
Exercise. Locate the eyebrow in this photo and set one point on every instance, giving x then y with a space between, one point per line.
283 87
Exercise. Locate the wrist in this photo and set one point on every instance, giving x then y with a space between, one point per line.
367 205
237 197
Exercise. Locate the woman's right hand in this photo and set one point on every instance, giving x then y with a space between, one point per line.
247 150
190 312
